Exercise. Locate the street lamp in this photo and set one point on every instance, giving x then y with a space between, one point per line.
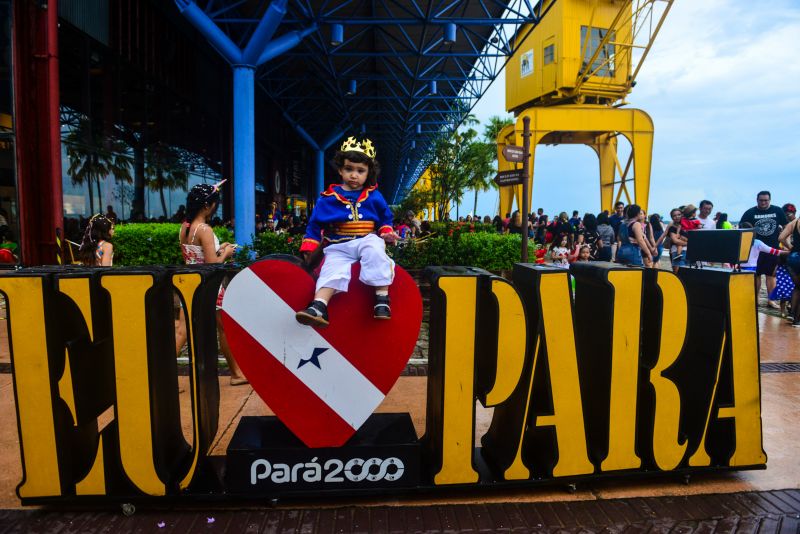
352 87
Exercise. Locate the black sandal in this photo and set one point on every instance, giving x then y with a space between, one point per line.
382 309
315 315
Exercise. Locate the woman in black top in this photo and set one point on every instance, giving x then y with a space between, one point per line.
498 224
515 225
678 239
607 235
658 236
591 237
561 226
541 229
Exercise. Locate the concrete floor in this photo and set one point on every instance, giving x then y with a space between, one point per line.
780 412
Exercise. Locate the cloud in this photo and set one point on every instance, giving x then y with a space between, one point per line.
719 83
741 52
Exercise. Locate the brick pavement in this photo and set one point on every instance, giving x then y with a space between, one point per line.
751 512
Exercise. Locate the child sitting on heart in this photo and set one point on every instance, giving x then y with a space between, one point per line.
356 223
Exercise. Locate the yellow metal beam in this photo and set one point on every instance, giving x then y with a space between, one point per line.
605 124
507 136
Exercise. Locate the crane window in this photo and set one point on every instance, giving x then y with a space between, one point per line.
549 54
603 64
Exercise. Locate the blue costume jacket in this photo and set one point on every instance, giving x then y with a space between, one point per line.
336 219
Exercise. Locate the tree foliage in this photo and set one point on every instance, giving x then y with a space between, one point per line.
165 170
463 161
415 201
93 158
450 173
492 129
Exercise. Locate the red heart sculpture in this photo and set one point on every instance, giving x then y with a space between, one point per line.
321 383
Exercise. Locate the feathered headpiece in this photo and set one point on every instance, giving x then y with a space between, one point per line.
202 192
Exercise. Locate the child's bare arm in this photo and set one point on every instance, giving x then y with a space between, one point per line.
108 253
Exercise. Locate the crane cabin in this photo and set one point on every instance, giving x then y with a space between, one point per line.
579 53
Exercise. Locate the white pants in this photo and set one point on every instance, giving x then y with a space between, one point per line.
377 269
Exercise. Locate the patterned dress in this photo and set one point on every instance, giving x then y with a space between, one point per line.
783 286
193 255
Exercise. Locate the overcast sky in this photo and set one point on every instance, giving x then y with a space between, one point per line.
721 85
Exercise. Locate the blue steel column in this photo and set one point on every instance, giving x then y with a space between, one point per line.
244 153
259 49
326 144
319 153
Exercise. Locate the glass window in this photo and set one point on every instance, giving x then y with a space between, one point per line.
603 65
5 66
134 139
549 54
8 190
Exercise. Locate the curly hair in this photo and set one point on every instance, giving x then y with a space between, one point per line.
358 157
98 229
199 197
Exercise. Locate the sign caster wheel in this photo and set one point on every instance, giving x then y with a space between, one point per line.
571 488
687 479
128 509
273 503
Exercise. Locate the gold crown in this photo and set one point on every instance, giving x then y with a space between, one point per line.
352 145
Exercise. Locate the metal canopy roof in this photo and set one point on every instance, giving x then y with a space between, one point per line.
411 84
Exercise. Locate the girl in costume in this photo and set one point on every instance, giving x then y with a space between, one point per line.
199 244
96 249
353 222
784 287
559 251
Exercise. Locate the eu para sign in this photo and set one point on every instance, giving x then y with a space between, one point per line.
636 371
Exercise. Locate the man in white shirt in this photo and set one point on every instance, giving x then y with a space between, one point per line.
705 215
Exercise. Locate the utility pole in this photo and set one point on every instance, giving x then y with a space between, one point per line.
526 168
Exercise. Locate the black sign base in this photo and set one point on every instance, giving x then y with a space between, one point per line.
265 458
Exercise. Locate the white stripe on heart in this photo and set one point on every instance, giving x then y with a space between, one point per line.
271 322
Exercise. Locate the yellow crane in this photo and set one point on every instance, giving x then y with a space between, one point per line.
571 75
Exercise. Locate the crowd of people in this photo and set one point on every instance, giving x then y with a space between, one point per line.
627 236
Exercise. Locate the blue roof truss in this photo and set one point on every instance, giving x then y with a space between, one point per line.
412 83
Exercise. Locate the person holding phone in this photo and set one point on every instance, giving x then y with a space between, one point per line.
199 244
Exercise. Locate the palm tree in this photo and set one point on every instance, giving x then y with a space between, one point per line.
490 132
480 167
165 170
449 169
492 129
93 158
123 192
